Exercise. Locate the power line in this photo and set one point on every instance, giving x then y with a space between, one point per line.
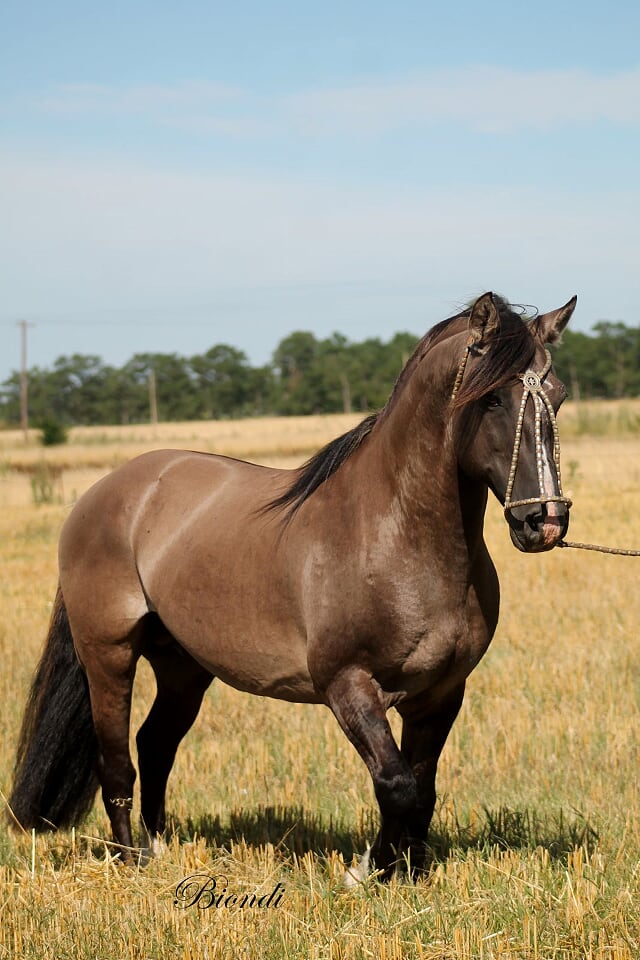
177 322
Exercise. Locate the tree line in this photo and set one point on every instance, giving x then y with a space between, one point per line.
306 375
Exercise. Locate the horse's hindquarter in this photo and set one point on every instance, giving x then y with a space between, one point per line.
182 534
223 583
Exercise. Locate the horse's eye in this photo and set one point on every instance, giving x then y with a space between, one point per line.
492 400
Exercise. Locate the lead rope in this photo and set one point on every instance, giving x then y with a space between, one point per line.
532 386
596 546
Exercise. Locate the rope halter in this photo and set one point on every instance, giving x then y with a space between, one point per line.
532 387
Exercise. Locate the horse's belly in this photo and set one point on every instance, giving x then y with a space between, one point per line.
281 685
268 662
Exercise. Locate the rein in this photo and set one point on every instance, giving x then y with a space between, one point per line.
533 387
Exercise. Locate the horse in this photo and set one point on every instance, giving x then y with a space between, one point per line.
360 581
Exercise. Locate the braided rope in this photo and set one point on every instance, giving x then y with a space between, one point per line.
462 367
595 546
532 386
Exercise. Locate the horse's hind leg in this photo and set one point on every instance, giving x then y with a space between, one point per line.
110 669
181 683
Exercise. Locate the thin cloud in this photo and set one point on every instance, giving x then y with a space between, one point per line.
483 99
198 107
154 99
256 257
486 99
81 227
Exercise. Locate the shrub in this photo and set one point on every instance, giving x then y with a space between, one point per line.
52 432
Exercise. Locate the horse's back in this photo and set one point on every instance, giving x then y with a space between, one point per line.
178 478
151 499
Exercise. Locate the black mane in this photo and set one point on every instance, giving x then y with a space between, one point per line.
322 465
507 354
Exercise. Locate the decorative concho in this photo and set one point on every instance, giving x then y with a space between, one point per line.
531 381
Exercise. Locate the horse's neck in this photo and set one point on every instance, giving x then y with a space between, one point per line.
413 450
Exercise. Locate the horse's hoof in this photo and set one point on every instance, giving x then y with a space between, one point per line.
358 874
155 847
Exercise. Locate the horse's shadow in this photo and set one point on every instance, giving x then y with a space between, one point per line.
508 829
291 830
297 831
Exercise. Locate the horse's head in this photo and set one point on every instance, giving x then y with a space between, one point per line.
507 396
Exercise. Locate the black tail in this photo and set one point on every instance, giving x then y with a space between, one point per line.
55 778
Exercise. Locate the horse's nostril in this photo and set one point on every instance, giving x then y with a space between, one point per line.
535 520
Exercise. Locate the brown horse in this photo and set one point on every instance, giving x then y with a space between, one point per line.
360 581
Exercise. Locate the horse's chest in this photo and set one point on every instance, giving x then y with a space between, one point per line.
438 654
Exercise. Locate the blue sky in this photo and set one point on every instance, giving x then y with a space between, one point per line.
174 176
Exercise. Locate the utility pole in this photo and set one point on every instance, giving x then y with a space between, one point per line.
24 408
153 401
346 393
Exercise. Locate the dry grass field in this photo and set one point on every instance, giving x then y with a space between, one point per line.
537 831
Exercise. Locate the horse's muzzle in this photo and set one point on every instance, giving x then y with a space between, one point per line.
538 527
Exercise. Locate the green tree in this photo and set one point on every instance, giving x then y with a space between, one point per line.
223 382
618 355
306 375
78 384
293 361
603 364
176 391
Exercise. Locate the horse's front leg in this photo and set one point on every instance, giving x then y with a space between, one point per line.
356 701
425 729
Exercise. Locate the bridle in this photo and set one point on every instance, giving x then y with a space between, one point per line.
532 387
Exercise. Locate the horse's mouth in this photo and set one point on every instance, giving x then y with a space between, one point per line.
538 532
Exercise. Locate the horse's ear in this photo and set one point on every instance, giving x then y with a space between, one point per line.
484 320
551 325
